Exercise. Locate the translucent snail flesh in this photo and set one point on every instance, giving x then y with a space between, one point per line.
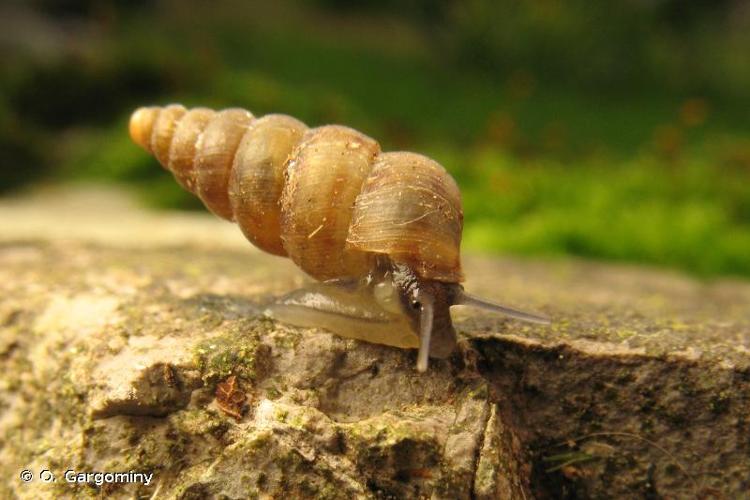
380 231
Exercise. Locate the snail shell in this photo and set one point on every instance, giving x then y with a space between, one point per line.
326 197
383 230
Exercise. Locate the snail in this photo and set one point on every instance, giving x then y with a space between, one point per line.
379 231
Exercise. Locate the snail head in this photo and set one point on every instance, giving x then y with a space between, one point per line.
427 304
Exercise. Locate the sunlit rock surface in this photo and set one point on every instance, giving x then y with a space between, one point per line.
112 348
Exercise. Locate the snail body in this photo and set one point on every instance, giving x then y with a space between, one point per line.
380 231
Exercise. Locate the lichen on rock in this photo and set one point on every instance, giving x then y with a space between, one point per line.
111 362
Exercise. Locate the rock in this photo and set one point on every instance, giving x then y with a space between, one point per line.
112 357
112 361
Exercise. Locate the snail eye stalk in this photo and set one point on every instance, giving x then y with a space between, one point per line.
464 299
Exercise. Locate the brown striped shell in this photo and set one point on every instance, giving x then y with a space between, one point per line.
327 197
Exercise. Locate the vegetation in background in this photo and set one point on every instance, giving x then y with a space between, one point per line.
617 131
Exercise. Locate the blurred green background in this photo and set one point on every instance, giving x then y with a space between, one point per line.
611 130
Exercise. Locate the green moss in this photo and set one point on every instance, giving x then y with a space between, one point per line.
231 353
69 399
258 441
480 393
289 461
391 442
281 414
198 422
273 393
329 491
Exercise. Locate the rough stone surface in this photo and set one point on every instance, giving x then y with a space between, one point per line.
111 356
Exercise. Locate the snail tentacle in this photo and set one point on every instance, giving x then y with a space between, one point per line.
425 330
464 299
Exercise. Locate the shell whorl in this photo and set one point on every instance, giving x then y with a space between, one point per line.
327 197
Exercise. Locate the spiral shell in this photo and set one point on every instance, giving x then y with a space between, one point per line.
327 197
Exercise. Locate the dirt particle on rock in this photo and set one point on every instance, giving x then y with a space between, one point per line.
230 398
